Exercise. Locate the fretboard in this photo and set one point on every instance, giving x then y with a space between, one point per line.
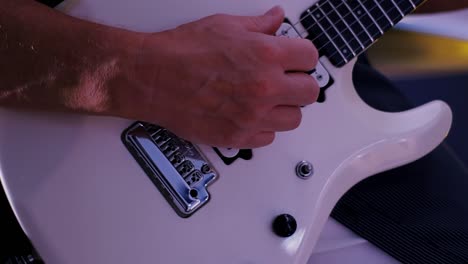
343 29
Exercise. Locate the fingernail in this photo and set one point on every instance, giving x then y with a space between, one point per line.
274 11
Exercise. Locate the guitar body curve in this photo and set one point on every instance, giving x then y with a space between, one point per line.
82 198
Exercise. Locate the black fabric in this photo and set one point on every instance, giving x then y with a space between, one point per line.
417 213
50 3
13 241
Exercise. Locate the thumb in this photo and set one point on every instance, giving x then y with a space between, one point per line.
267 23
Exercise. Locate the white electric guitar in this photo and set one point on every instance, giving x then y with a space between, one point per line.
106 190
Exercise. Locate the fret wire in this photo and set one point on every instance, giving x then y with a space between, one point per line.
331 55
316 5
348 26
302 19
391 9
336 29
371 17
398 8
325 44
328 36
371 36
409 10
357 19
309 15
385 13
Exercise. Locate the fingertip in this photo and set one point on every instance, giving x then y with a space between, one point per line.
275 11
316 91
267 23
313 91
316 95
273 17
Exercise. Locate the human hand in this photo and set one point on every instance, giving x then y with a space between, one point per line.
224 80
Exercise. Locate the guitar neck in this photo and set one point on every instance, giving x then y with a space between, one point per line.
343 29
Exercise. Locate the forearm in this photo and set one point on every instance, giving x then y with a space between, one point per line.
432 6
51 61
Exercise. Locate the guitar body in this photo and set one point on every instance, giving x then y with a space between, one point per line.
82 198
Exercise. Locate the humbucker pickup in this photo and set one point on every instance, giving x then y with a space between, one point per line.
175 166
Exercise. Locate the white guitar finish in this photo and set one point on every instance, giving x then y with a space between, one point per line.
81 197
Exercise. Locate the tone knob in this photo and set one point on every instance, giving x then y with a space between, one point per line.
284 225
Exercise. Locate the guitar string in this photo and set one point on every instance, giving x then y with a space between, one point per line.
337 6
316 5
378 34
339 32
372 8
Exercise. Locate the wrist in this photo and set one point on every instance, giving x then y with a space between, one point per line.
122 86
133 90
100 68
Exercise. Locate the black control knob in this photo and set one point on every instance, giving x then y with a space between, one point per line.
284 225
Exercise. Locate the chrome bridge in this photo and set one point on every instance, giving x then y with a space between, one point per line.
175 166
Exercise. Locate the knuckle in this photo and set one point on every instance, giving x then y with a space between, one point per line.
246 120
250 117
216 22
217 17
266 50
261 88
254 22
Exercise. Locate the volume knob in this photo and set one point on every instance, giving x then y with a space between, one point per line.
284 225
